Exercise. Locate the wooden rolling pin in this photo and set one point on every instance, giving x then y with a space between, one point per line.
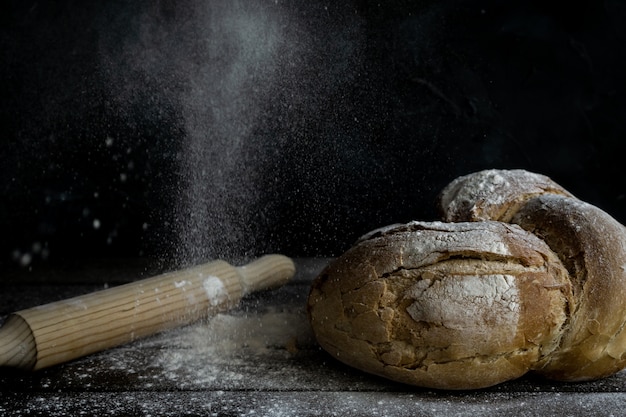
65 330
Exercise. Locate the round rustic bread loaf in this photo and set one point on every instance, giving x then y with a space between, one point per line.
443 305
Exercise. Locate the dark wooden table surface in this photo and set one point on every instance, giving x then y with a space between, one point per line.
259 359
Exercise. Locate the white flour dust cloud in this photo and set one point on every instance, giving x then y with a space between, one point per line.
220 179
219 64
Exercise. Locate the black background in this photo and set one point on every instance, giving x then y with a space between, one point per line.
185 131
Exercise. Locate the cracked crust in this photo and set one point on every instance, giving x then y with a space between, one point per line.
442 305
592 246
493 194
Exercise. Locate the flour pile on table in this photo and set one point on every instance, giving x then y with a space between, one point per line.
229 347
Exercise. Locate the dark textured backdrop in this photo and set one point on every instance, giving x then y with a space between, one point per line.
202 129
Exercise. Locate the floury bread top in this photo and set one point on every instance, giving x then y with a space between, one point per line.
493 194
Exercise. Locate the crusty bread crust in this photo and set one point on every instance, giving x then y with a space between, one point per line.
493 194
589 242
442 305
592 246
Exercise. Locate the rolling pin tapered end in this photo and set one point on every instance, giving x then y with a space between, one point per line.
17 344
269 271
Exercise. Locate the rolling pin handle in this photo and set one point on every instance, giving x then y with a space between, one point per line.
267 272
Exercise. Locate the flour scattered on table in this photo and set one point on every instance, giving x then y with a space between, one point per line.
227 349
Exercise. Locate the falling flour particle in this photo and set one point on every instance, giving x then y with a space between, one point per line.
215 290
181 284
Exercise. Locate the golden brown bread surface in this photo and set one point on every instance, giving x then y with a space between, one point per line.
592 246
493 194
589 242
442 305
473 303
